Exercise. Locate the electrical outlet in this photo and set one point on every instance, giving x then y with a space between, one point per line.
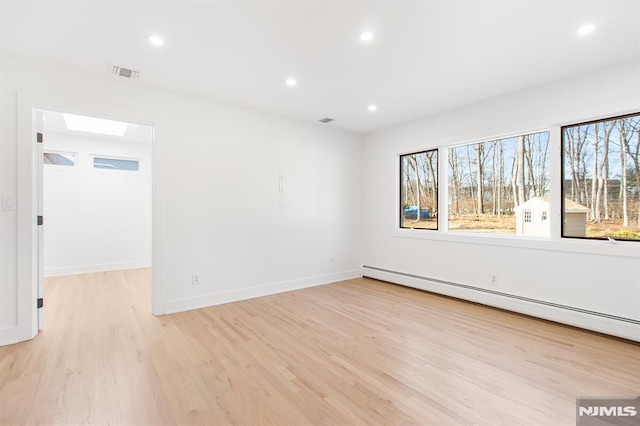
332 261
195 279
494 279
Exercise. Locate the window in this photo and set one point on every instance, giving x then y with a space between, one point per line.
543 216
601 179
419 190
492 183
527 216
115 164
61 159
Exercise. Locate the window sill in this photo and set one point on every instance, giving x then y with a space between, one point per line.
597 247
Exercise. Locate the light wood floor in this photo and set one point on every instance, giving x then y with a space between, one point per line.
354 352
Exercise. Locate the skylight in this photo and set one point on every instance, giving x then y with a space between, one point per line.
100 126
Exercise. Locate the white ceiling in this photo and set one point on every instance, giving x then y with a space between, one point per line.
426 56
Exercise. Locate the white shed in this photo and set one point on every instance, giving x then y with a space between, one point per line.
532 218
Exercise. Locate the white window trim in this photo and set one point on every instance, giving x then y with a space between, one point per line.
555 242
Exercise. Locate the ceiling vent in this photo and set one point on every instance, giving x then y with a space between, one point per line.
125 72
326 120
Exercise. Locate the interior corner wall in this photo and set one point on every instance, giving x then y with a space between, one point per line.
587 275
254 203
96 219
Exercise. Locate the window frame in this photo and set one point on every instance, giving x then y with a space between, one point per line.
562 236
487 139
554 242
400 208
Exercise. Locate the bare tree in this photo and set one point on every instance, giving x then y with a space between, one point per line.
520 171
623 165
432 177
407 187
574 147
418 195
633 150
529 154
454 192
595 213
514 185
471 186
602 191
479 149
605 168
500 177
494 179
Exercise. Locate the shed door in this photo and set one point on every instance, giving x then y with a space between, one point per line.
527 222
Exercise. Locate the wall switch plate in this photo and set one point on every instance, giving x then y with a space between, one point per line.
8 203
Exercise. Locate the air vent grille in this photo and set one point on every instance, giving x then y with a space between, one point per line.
125 72
326 120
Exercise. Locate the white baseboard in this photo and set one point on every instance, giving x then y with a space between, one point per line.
212 299
87 269
621 327
8 335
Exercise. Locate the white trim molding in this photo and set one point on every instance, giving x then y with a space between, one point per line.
627 328
103 267
212 299
8 335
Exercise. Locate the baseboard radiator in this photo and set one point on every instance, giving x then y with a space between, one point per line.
627 328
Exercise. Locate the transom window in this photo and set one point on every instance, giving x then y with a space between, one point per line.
116 164
67 159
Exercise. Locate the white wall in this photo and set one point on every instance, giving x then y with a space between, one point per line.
591 275
96 220
217 168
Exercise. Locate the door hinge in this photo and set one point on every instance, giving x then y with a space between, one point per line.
40 303
39 138
40 220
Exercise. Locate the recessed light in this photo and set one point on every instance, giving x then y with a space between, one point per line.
372 108
291 82
155 40
586 29
366 36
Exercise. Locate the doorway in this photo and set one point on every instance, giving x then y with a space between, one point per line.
96 199
32 224
96 194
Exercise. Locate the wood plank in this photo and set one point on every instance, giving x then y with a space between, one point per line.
354 352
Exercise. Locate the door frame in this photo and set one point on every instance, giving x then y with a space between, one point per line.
27 204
